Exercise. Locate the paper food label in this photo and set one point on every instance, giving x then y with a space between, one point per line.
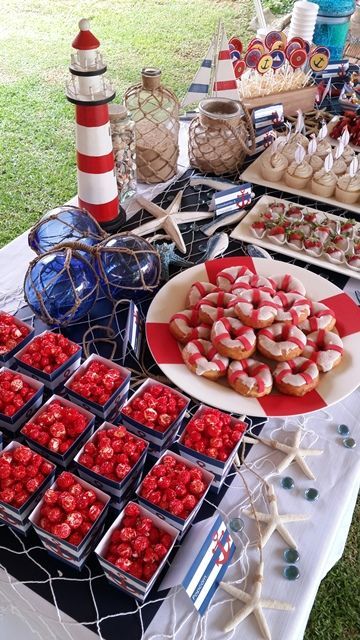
202 561
233 199
272 114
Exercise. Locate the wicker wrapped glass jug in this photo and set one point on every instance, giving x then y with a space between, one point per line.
155 111
219 137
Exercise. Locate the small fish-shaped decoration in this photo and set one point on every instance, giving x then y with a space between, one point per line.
222 221
216 245
214 183
257 252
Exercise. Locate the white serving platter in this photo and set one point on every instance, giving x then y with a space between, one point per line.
243 232
333 386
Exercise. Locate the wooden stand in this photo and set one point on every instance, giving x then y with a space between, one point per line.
292 100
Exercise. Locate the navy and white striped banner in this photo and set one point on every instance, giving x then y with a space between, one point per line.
202 561
233 199
271 114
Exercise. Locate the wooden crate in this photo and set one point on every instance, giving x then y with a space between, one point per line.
303 99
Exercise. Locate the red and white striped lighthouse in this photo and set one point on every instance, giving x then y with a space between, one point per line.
89 90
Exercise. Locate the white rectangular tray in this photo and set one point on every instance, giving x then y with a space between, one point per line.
253 174
243 232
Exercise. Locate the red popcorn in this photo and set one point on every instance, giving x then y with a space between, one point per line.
186 488
14 392
97 383
136 550
21 474
11 332
66 515
112 453
213 433
56 427
48 352
157 407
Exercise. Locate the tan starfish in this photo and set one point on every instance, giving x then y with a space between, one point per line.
169 219
294 453
274 520
254 603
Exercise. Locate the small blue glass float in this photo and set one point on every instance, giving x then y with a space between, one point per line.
291 555
349 443
287 483
128 266
236 525
65 224
291 572
343 429
60 287
311 494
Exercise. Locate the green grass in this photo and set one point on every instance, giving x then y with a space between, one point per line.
37 147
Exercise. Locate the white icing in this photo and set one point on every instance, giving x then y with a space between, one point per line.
203 365
296 379
225 283
327 357
218 329
293 301
248 380
284 346
220 300
186 327
245 305
294 284
252 281
195 295
321 323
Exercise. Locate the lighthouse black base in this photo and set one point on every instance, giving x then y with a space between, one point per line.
116 224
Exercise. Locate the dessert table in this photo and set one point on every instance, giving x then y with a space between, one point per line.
40 597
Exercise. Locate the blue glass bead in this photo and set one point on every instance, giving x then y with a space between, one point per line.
65 224
291 572
68 293
311 494
123 274
343 429
236 524
287 483
291 555
349 443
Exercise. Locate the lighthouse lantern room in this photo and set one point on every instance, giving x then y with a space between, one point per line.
91 92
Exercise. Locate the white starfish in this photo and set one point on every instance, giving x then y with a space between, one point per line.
254 604
169 219
275 521
294 453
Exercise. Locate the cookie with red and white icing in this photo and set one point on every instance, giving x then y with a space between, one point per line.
250 378
215 306
233 339
292 308
197 291
325 348
227 277
321 317
287 284
185 326
252 281
202 358
281 341
296 377
255 308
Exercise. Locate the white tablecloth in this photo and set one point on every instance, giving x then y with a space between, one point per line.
321 539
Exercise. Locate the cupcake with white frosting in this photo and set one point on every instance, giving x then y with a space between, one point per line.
274 161
323 181
348 186
299 172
